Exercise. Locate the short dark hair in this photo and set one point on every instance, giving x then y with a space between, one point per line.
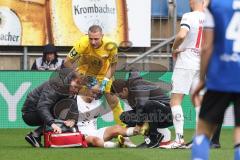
60 80
118 85
95 28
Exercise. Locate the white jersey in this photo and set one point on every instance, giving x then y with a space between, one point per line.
209 21
190 57
88 113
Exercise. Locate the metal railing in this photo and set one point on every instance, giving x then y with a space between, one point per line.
149 52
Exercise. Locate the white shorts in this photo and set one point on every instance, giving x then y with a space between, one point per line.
94 132
184 80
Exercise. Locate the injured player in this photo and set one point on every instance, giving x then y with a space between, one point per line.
89 110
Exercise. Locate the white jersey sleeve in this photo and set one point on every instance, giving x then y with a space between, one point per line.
186 21
209 21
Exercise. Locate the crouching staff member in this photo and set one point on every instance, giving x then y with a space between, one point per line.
150 106
40 102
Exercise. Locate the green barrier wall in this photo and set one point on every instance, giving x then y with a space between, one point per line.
14 86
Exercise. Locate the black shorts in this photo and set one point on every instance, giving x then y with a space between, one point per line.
215 103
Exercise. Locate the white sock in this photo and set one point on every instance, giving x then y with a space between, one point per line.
110 144
197 110
178 120
130 131
166 133
127 139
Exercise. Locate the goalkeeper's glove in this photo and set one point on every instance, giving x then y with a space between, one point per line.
103 84
91 82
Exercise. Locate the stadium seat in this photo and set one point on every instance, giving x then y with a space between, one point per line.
182 7
159 9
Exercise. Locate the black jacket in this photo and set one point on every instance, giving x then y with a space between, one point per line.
42 100
141 91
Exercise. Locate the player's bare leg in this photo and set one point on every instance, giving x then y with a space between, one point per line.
97 142
114 131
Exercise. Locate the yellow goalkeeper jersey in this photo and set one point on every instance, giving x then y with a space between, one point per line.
92 61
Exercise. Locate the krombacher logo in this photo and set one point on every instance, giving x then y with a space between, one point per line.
9 37
94 9
10 27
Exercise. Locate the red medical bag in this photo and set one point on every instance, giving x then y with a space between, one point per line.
70 137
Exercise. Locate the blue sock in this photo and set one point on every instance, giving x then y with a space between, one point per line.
200 148
237 153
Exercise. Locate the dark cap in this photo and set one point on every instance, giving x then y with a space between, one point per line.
49 48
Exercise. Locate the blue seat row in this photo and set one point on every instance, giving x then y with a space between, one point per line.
160 8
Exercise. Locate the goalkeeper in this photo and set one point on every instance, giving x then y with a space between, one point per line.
95 55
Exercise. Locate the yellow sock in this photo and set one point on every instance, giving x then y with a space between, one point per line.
117 111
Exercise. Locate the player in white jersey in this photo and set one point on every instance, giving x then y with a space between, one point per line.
89 110
185 51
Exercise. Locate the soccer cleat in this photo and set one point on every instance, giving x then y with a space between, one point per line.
164 143
128 143
34 141
152 141
125 142
144 129
121 141
174 145
189 144
143 145
215 145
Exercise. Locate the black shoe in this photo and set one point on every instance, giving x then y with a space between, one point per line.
215 145
189 144
153 140
143 145
34 141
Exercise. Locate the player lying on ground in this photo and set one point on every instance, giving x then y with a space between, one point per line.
89 109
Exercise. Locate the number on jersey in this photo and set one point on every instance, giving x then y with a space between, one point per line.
199 37
233 31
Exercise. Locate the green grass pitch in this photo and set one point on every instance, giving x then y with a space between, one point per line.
14 147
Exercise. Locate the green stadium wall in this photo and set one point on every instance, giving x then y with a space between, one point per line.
15 85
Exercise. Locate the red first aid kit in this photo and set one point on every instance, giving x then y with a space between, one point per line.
75 139
70 137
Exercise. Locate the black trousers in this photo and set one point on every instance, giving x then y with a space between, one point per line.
155 113
33 119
